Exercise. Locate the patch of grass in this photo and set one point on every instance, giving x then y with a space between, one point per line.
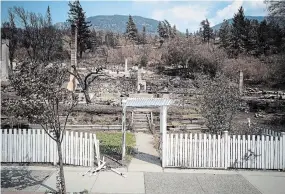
111 143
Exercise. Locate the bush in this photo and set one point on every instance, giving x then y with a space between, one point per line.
254 70
219 101
191 57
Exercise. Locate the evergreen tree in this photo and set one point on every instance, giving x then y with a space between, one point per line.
50 31
225 34
169 30
48 16
131 30
263 37
207 31
252 43
77 17
238 34
143 35
93 39
110 39
276 37
187 33
173 32
160 30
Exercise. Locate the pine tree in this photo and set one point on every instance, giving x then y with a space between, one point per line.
93 39
238 34
168 29
48 16
224 34
77 17
143 35
110 39
160 30
207 31
174 32
276 37
131 30
187 33
50 31
252 43
263 37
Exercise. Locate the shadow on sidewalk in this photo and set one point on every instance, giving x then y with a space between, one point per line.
23 178
148 158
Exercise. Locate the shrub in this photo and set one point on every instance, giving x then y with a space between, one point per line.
191 57
219 101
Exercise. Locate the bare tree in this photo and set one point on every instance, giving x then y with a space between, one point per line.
86 80
10 32
44 100
40 39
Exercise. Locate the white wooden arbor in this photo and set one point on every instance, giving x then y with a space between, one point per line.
147 102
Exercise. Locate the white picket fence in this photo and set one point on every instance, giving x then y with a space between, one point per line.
225 151
271 132
34 145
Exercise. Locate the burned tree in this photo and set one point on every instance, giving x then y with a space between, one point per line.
84 80
37 37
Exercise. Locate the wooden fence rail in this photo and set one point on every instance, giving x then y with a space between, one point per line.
34 145
225 151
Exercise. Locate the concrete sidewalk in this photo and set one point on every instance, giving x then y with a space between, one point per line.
147 158
41 179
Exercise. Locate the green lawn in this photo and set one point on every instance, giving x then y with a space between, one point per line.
111 143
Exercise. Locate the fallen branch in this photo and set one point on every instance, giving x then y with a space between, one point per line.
115 160
119 173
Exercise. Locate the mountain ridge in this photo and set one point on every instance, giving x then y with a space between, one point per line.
117 23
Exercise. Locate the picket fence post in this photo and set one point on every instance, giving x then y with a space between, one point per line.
283 149
226 152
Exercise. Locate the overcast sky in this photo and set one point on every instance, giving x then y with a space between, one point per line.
184 14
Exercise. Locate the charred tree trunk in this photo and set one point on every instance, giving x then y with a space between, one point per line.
61 172
86 94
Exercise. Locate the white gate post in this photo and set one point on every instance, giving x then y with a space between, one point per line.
226 150
283 150
124 129
163 125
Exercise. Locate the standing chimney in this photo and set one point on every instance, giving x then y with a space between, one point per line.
126 65
73 45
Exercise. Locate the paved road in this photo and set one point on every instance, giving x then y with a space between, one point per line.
167 183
